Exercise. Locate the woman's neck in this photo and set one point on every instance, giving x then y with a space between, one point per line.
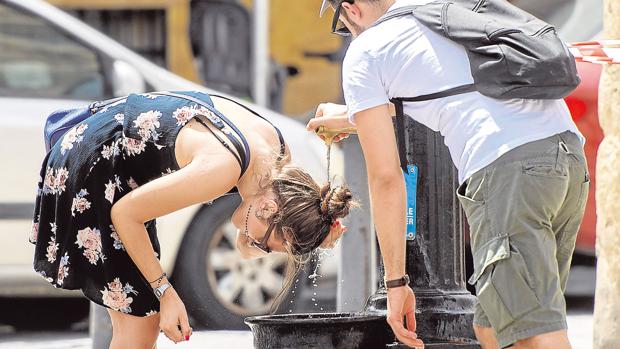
256 178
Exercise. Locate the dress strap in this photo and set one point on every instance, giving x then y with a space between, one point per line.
220 121
280 137
234 141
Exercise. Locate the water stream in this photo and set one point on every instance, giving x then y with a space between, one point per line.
329 162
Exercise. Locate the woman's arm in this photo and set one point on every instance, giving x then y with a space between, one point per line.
203 179
200 181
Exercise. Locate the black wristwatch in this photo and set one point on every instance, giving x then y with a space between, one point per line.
404 281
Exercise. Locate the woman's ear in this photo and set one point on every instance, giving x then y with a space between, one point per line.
267 208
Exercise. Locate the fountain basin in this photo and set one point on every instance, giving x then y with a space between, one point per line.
320 331
441 344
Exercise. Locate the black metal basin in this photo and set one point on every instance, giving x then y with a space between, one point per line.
463 344
320 331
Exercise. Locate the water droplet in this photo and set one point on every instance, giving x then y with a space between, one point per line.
315 293
314 299
291 301
321 308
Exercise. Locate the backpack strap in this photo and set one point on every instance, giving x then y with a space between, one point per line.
400 116
400 134
398 12
409 10
459 90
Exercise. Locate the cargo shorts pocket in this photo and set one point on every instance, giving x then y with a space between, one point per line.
502 283
472 190
471 196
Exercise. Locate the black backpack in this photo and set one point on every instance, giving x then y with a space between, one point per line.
512 54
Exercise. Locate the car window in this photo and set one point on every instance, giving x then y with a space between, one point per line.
37 60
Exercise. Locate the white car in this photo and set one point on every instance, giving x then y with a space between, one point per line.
49 60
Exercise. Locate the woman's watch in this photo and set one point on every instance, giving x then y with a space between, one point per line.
403 281
159 291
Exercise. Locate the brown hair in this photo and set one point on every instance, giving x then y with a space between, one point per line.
305 214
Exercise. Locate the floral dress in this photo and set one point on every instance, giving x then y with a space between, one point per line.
122 146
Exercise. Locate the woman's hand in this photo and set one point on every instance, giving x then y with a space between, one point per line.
336 231
173 317
332 116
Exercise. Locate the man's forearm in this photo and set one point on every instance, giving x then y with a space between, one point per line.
389 203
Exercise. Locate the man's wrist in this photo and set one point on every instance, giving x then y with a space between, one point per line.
398 282
394 275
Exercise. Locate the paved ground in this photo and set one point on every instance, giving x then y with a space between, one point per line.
203 339
579 322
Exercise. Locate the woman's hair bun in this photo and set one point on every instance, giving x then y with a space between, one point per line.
335 201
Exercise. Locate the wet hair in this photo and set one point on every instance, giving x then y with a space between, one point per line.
306 212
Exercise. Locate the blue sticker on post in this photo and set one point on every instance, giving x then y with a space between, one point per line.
411 184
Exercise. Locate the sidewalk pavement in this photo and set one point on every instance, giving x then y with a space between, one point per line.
579 330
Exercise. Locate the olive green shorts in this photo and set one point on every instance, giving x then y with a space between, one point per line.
524 212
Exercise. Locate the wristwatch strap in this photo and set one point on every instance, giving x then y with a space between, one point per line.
403 281
159 291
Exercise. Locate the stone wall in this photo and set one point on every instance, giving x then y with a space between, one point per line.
607 301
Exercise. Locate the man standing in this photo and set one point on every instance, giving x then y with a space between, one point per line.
522 173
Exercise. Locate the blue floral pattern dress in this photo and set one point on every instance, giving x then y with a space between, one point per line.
97 162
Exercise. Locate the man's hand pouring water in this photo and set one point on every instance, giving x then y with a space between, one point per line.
388 200
332 116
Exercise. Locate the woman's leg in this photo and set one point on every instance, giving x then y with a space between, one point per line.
130 331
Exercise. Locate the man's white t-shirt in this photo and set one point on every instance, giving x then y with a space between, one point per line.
403 58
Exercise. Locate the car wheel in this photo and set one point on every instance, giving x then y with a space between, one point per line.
219 287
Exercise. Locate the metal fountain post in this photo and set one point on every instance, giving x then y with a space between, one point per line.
100 327
435 258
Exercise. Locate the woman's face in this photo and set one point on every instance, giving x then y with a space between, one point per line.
246 219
